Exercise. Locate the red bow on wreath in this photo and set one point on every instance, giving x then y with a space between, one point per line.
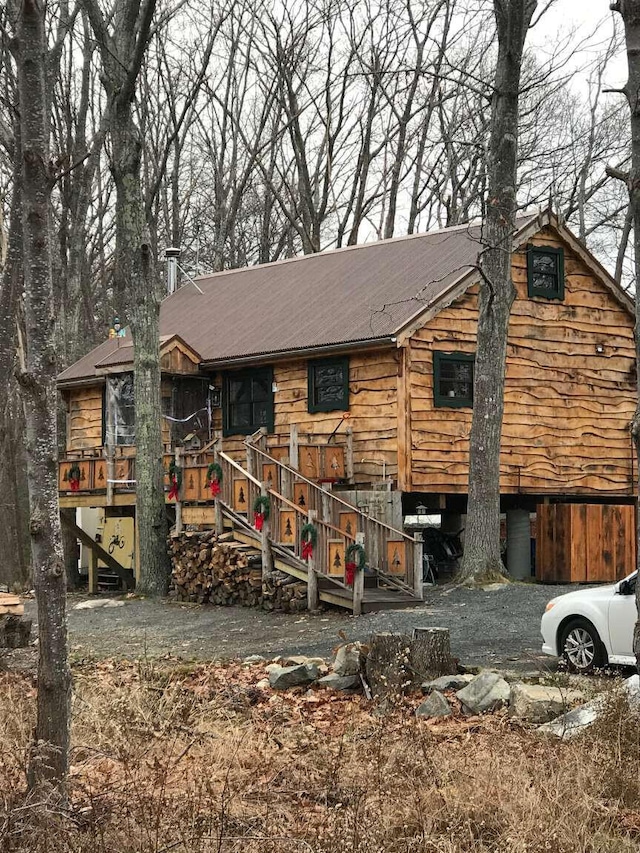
261 509
74 476
350 573
309 537
214 479
173 491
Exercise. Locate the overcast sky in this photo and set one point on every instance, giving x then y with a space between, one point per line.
589 19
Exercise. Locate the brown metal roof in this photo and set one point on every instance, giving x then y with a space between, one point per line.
356 294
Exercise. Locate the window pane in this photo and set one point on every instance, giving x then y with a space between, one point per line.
261 413
261 389
239 391
240 415
545 282
121 414
545 263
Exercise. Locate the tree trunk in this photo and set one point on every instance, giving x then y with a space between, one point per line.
137 277
50 753
630 11
136 286
481 560
431 654
388 666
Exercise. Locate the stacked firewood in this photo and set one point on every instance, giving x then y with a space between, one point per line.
282 592
212 569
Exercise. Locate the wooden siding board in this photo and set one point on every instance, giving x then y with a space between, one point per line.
567 408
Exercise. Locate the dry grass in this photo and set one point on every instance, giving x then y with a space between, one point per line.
198 759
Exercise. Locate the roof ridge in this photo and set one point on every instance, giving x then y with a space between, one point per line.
341 249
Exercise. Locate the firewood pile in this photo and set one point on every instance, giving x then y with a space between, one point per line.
212 569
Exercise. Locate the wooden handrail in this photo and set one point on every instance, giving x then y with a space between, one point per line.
239 468
333 496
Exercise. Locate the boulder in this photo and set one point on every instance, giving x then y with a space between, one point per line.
536 703
348 659
251 659
333 681
574 722
447 682
284 677
435 706
486 692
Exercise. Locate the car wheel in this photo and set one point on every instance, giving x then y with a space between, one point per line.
581 646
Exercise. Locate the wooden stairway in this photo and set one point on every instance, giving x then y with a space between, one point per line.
381 586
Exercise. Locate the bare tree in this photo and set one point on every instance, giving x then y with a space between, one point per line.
481 560
50 753
122 38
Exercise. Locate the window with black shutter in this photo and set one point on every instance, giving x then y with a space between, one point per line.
329 385
453 379
248 401
545 272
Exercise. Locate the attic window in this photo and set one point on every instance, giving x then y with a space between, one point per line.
545 272
453 379
328 381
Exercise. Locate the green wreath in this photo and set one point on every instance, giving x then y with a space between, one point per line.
309 533
356 551
175 471
262 506
214 472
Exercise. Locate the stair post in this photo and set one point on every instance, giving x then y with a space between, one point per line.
111 472
348 462
217 506
312 578
265 544
418 546
294 454
358 582
178 459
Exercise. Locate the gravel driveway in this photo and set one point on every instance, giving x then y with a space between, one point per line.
496 627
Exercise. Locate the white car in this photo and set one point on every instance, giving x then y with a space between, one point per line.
592 627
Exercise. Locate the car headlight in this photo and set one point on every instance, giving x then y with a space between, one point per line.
549 606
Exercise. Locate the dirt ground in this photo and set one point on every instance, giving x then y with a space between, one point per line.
498 627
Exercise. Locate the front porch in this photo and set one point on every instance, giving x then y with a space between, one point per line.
388 568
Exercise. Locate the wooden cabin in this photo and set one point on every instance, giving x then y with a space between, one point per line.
353 369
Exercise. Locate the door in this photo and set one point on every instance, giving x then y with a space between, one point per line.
622 618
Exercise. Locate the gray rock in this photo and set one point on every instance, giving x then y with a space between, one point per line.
348 659
574 722
251 659
435 706
536 703
486 692
285 677
447 682
333 681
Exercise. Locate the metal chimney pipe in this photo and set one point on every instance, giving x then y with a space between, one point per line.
171 255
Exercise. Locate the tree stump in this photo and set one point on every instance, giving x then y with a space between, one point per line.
15 632
388 666
431 654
